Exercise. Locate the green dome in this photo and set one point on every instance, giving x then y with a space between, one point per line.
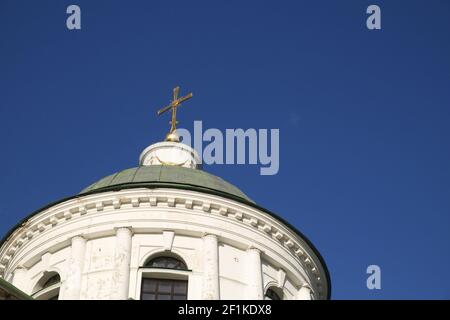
166 176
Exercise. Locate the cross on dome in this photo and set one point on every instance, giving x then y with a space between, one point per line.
174 104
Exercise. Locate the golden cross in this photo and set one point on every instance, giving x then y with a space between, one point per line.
174 104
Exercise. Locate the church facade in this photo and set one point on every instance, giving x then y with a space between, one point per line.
163 230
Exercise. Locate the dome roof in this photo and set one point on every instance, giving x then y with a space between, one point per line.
166 176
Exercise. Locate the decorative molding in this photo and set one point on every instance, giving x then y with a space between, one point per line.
168 237
281 278
54 217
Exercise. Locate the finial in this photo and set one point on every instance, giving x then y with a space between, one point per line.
174 104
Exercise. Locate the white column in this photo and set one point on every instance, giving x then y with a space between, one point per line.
254 275
122 259
20 279
72 285
210 268
304 293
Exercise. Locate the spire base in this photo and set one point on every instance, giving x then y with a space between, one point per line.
170 153
172 137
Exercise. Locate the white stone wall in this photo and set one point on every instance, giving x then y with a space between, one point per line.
99 243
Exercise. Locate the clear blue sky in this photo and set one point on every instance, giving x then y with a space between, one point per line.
363 115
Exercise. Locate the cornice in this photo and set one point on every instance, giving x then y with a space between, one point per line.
92 204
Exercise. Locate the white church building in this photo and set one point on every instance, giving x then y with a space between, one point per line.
161 231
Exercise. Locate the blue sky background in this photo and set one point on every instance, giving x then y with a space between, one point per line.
363 115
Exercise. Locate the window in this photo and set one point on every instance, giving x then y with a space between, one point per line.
51 281
163 289
273 294
166 263
168 283
47 287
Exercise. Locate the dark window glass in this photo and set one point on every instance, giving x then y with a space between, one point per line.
166 263
163 289
51 281
149 286
148 296
272 295
165 286
179 288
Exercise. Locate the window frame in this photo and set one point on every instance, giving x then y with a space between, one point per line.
171 281
160 273
279 292
48 292
166 268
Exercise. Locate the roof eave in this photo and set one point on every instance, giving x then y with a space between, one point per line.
155 185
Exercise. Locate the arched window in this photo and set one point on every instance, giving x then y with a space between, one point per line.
47 287
51 281
166 263
273 294
168 284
